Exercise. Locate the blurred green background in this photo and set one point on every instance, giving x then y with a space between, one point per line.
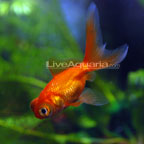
32 32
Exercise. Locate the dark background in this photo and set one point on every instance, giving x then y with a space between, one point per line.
121 22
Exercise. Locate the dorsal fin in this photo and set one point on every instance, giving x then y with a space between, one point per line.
57 66
54 72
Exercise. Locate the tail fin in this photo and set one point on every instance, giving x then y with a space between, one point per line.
95 50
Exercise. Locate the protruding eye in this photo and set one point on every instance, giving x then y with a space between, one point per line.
45 111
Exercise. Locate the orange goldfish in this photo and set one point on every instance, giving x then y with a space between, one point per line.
67 88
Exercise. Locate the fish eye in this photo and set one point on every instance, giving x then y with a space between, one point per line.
45 111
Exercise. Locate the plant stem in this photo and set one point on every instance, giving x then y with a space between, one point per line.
28 80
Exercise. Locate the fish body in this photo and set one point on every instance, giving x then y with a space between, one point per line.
67 88
63 90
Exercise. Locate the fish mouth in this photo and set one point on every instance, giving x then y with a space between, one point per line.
33 103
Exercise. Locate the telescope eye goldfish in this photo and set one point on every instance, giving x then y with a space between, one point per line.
67 88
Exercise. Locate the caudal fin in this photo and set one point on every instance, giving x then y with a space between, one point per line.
95 52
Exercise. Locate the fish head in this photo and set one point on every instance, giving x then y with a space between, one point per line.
42 109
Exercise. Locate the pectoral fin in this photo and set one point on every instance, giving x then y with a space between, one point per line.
76 104
89 97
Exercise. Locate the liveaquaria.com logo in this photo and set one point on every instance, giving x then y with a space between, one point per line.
91 65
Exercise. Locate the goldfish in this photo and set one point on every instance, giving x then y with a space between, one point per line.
67 88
